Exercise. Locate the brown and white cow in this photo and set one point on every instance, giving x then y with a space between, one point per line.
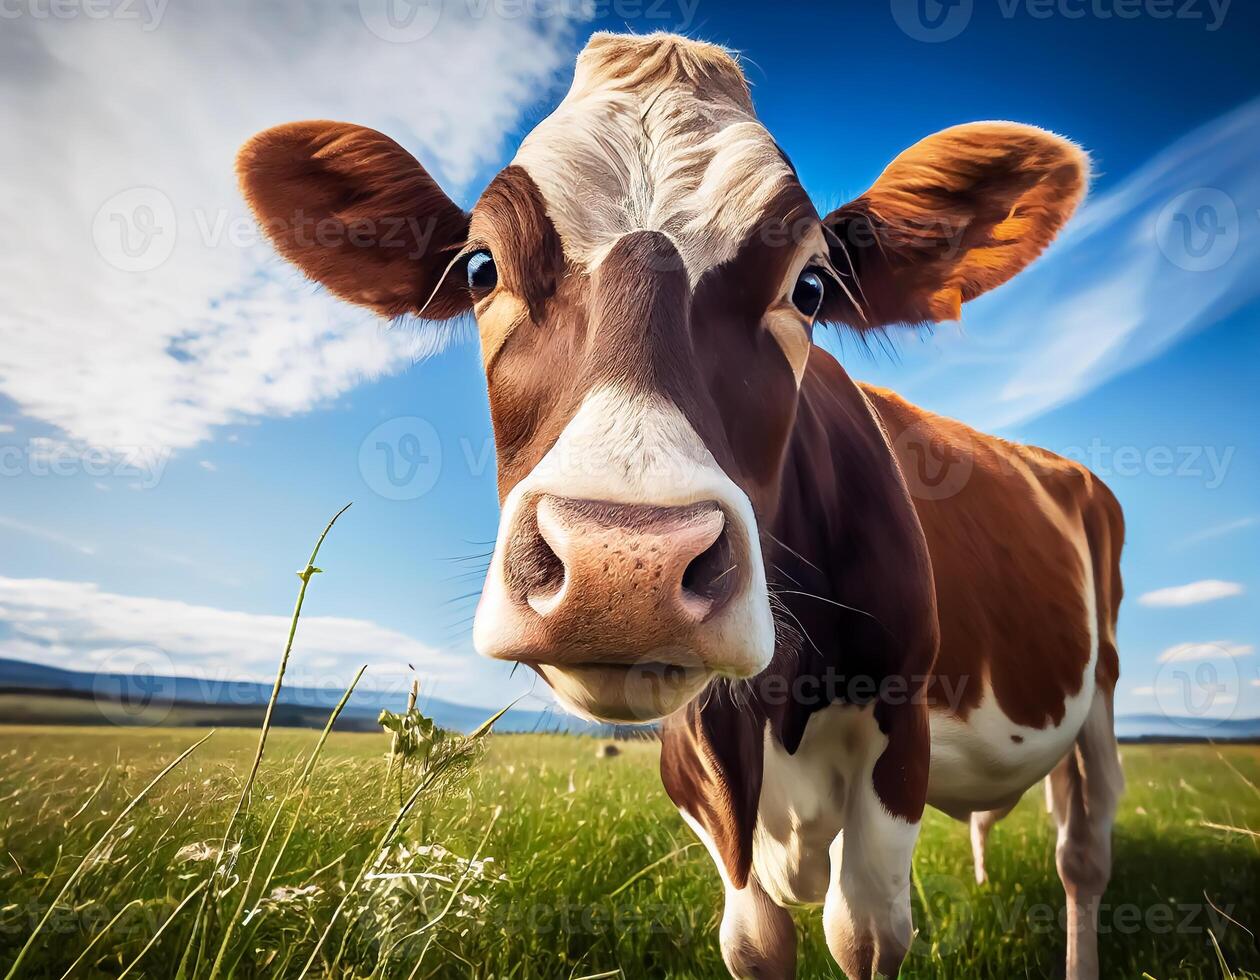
842 606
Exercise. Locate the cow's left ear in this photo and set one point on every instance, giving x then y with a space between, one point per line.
359 215
952 217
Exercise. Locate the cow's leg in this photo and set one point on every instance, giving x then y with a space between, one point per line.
758 937
1084 790
981 823
866 915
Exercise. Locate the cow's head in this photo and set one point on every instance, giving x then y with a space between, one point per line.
646 277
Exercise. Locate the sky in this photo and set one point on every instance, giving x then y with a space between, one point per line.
181 413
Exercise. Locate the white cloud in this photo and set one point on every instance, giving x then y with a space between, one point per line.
206 465
76 626
1215 649
220 331
1192 593
1117 289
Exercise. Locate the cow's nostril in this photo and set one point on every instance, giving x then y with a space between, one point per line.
712 575
538 572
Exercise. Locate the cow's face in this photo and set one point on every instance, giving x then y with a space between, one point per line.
646 278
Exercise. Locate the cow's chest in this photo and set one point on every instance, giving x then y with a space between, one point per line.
805 797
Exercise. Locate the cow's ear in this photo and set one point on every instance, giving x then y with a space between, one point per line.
952 217
358 214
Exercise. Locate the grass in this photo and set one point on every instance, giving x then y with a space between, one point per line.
149 852
587 868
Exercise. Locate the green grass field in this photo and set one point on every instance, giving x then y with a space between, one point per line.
586 870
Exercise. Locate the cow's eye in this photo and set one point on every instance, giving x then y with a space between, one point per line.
482 274
807 295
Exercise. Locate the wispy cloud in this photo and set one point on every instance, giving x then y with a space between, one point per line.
1125 281
1192 593
44 534
76 625
1220 530
1204 651
125 132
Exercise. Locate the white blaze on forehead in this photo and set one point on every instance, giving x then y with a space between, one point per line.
657 133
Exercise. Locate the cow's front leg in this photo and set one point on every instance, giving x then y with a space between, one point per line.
758 937
866 916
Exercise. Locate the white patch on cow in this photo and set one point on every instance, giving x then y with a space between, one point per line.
640 449
823 836
757 936
866 916
977 765
665 140
709 845
807 796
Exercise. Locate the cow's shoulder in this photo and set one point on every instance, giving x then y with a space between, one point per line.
1024 546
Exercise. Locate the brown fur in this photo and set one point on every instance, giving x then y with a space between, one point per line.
955 215
355 212
1013 615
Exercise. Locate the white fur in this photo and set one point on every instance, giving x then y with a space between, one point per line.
659 154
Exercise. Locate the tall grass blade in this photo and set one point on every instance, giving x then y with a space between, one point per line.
100 935
161 929
305 575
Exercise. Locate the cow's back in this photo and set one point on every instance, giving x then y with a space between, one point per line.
1025 549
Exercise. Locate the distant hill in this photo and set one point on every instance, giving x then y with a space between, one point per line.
34 694
1155 727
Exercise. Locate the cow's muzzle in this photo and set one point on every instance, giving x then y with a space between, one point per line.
627 610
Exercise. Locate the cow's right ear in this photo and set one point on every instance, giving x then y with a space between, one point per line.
358 214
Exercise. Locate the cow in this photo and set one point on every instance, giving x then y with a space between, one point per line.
839 607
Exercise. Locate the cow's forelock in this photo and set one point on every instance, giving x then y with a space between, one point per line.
656 133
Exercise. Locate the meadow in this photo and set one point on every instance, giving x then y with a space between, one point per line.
533 858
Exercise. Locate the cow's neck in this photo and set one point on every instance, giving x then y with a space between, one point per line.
846 558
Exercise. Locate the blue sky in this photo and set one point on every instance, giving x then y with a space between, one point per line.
176 426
